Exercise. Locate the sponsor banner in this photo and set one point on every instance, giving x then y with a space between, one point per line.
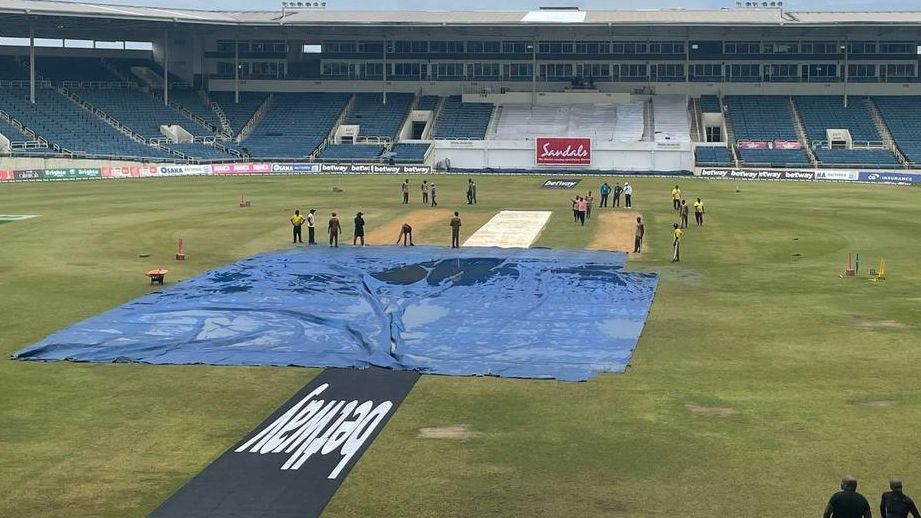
836 175
563 151
28 174
375 169
121 172
182 170
71 174
295 168
6 176
757 174
888 177
292 463
555 183
787 144
750 144
247 168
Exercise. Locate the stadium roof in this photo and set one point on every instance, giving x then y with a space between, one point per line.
46 13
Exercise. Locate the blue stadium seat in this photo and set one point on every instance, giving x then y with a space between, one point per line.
238 113
351 152
712 156
60 121
376 118
410 153
760 117
428 102
202 152
902 115
459 120
856 157
822 112
710 104
295 125
139 111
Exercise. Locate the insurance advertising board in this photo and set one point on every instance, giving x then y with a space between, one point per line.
563 151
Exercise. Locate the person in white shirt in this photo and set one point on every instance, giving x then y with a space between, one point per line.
311 227
628 195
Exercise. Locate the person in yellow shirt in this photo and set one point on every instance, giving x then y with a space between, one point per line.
676 198
699 212
676 244
296 221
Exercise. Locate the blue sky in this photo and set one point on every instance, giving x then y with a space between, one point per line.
838 5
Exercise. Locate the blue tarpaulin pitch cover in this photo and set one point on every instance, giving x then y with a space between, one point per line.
534 313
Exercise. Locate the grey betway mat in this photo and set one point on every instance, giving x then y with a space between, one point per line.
292 463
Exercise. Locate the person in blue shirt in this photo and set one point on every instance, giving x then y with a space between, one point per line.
605 191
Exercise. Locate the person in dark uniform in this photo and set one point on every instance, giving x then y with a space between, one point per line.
406 232
296 222
605 191
469 191
896 504
618 190
638 236
847 503
359 230
434 195
455 230
473 191
333 228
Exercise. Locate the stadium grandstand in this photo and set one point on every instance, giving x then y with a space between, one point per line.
653 90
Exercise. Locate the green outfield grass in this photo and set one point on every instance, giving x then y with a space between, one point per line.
761 377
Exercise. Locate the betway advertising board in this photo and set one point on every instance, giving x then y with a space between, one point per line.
563 151
757 174
292 463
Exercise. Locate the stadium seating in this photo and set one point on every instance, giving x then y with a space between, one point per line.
459 120
139 111
295 125
201 152
60 121
190 100
902 115
13 134
760 118
856 157
775 157
712 156
351 152
710 104
238 113
376 118
822 112
124 65
73 69
671 119
428 102
10 70
410 153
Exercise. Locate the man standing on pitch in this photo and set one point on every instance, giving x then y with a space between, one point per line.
589 201
425 192
404 188
333 229
605 191
676 198
434 194
311 227
628 195
896 504
469 191
296 222
455 230
473 191
699 215
406 231
618 190
847 503
359 230
676 243
638 239
683 212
